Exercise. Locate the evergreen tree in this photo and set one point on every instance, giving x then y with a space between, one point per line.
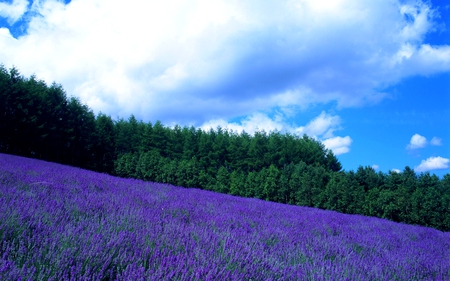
237 151
356 194
223 180
274 155
188 173
271 182
257 151
190 147
146 138
105 147
81 136
430 208
284 194
335 195
37 120
237 183
219 148
205 146
372 206
368 178
175 143
159 138
301 185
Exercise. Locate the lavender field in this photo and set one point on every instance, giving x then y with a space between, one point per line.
64 223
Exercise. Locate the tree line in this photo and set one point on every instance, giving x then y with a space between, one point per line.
39 120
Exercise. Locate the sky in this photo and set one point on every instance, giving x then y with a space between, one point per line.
369 79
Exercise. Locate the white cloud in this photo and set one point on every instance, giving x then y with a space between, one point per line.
191 61
323 125
375 167
255 122
417 141
419 24
320 128
433 163
13 11
436 141
396 171
339 145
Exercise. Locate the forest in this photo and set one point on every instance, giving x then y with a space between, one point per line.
40 121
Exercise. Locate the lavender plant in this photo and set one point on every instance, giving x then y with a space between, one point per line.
63 223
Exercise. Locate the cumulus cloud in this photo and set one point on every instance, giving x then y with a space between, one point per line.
13 11
436 141
417 141
255 122
339 145
375 167
191 61
323 125
433 163
320 128
396 171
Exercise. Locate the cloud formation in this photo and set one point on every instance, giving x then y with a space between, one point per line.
417 141
323 125
191 61
339 145
436 141
13 11
321 128
433 163
256 122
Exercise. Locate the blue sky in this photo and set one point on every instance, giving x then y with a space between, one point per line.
370 79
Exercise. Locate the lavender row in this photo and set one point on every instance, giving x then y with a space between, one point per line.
64 223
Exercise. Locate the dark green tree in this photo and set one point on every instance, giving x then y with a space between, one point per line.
237 151
271 183
190 143
257 151
159 139
237 183
175 143
223 180
105 146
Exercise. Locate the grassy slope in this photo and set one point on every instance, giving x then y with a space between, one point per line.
66 223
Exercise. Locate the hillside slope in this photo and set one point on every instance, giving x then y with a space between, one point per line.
40 121
63 223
